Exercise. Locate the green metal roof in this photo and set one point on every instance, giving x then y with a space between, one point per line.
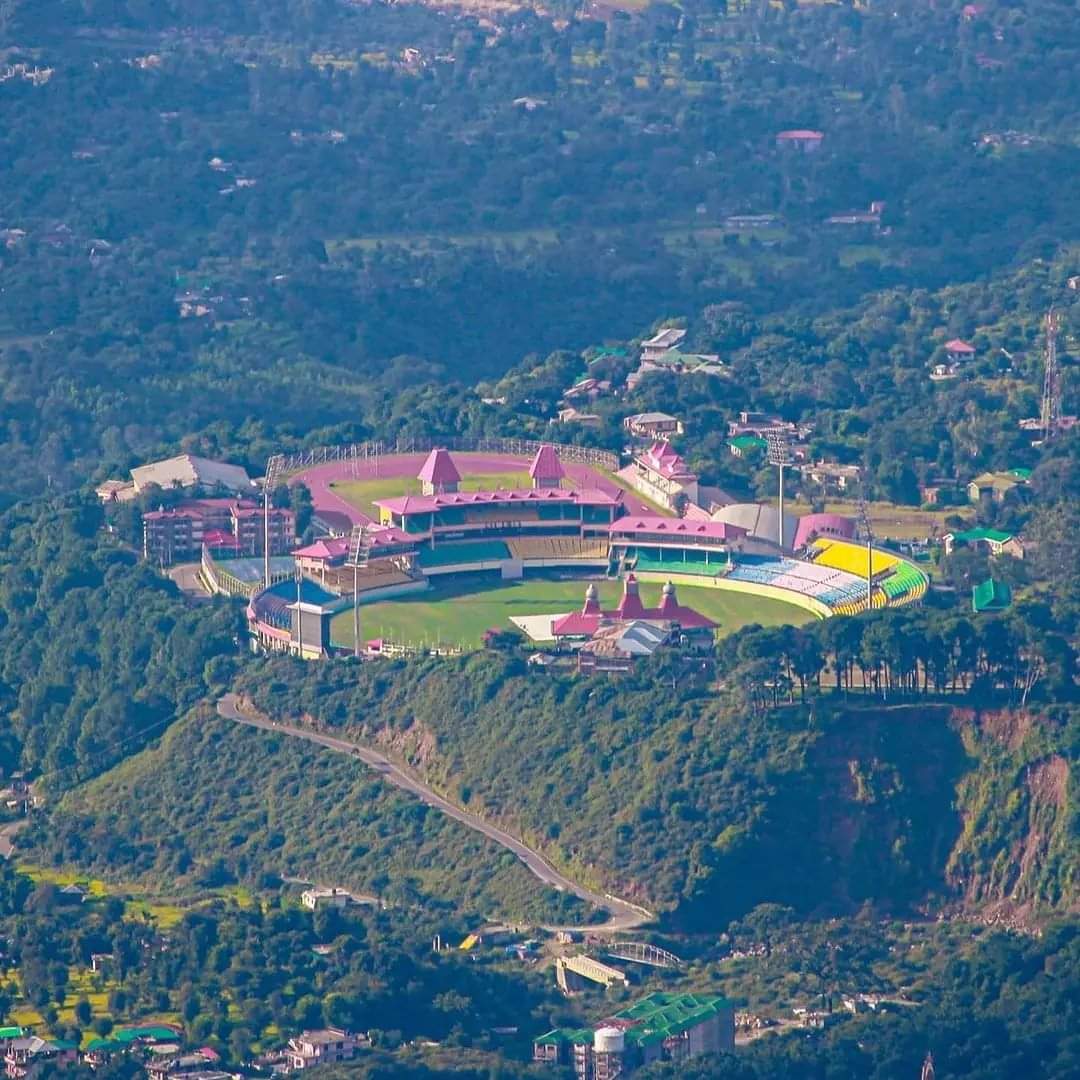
974 535
991 595
104 1044
14 1032
128 1035
1021 473
747 442
63 1044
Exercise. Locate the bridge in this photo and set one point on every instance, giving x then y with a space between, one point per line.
638 952
571 970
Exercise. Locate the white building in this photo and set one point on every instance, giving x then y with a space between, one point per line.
187 470
313 899
322 1047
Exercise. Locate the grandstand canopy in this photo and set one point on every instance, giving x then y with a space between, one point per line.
639 526
759 521
814 525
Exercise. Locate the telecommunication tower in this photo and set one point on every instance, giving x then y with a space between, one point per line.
1051 400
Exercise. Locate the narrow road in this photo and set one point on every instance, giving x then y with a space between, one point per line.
624 915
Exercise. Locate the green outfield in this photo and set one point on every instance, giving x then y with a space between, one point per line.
457 612
363 493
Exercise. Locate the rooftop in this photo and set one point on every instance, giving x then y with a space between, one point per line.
421 504
439 470
667 338
973 536
187 470
676 528
991 595
546 465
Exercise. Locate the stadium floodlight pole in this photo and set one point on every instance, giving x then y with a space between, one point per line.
864 521
358 557
779 454
274 466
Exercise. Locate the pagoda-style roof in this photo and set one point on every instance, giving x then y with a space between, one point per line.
439 470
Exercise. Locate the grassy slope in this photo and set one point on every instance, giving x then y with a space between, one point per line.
263 804
459 611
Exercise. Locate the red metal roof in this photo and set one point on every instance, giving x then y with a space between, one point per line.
586 622
439 470
957 345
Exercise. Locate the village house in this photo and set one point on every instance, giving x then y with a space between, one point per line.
322 1047
661 342
316 898
830 475
800 139
957 351
570 415
994 486
765 423
745 445
653 425
992 541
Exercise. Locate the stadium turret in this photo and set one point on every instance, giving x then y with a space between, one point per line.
439 474
592 601
630 605
669 603
546 469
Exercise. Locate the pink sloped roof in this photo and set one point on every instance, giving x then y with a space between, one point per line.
416 504
676 528
958 345
326 547
823 524
439 469
662 459
546 465
800 133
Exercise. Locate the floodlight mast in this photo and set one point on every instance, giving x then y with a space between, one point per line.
359 549
779 454
274 465
864 522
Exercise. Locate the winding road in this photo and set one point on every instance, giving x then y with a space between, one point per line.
624 915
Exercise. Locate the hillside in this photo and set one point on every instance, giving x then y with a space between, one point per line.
213 804
677 800
672 799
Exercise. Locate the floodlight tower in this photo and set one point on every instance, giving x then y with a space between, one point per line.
868 532
779 454
1051 400
274 466
359 549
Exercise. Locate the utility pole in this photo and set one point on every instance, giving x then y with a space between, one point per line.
1051 400
779 454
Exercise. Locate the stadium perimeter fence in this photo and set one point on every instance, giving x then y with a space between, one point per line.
374 449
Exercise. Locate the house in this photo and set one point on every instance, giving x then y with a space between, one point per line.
870 217
653 425
187 470
661 474
73 894
944 372
616 645
993 541
322 1047
571 415
764 423
744 445
115 491
193 1066
661 342
940 492
26 1056
831 475
958 351
316 898
990 595
587 389
994 486
801 139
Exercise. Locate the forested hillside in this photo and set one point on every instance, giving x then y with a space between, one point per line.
254 224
